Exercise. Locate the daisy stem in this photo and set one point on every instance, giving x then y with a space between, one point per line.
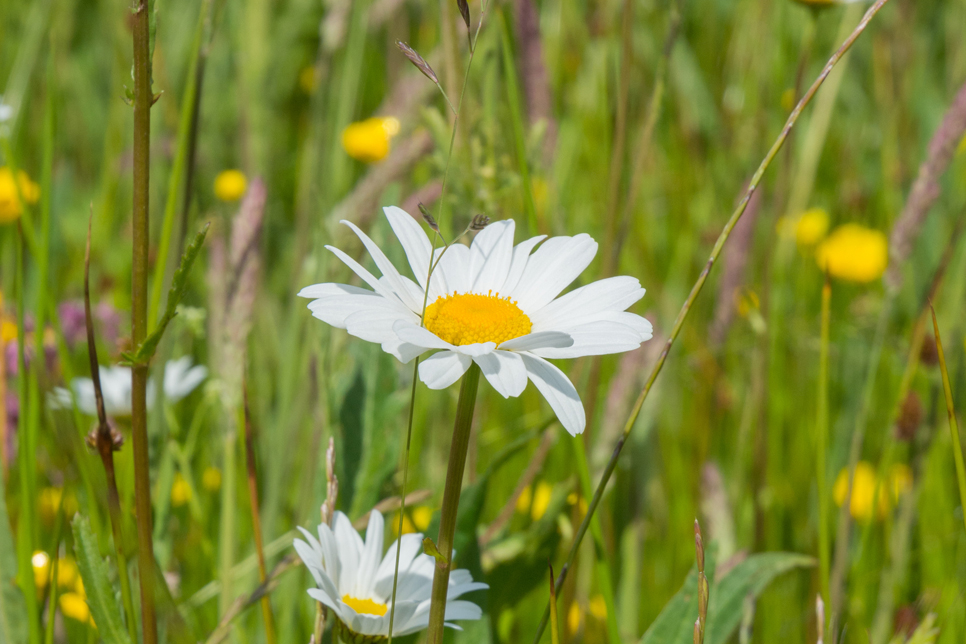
696 290
953 426
451 500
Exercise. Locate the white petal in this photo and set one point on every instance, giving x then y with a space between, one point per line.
334 309
404 612
551 269
411 545
375 324
386 268
558 391
521 255
454 269
412 333
403 351
350 550
331 288
505 371
442 369
413 239
364 275
460 609
371 555
321 596
311 559
490 256
596 339
542 339
478 349
330 554
585 303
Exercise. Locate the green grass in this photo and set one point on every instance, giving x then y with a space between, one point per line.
749 406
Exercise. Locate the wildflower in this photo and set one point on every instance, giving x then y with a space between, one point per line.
863 505
53 500
211 479
68 576
180 379
230 185
598 607
490 303
524 500
855 253
41 565
180 491
369 140
422 515
574 618
356 584
541 500
75 606
14 193
811 226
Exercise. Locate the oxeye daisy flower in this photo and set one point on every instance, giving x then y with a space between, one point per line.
491 303
355 581
180 379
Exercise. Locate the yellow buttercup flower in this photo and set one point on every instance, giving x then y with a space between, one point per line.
574 617
541 500
68 576
230 185
8 331
41 565
369 140
598 607
180 491
811 227
74 606
862 506
11 203
407 524
421 517
523 501
854 253
211 479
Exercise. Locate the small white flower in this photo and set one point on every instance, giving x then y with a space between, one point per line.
491 303
355 580
180 379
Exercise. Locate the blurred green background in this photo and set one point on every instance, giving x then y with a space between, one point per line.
553 133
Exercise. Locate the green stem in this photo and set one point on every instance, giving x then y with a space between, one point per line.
143 98
821 466
451 500
696 290
226 540
953 426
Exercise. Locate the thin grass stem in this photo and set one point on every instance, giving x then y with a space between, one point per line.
953 426
821 447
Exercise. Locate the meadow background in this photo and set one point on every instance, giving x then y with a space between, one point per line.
638 122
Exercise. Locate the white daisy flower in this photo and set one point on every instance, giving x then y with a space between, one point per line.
355 581
491 303
180 379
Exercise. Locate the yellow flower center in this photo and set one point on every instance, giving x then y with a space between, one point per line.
472 318
366 606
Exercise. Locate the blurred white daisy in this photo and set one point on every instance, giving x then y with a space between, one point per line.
6 111
180 379
355 580
491 303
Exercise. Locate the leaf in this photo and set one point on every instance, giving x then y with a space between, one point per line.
750 577
13 628
100 593
179 283
675 624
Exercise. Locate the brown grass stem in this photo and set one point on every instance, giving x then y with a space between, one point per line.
143 99
699 284
821 442
106 441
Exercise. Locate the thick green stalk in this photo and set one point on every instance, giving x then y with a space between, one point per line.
953 426
451 500
696 290
143 99
821 446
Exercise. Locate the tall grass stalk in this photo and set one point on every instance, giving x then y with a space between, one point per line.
699 284
821 443
143 99
953 426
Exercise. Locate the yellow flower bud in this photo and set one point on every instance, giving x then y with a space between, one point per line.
180 491
230 185
369 140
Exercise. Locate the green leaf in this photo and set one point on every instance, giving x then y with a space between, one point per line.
100 593
179 283
675 624
13 628
750 577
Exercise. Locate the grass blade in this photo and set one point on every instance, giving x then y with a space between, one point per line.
953 426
